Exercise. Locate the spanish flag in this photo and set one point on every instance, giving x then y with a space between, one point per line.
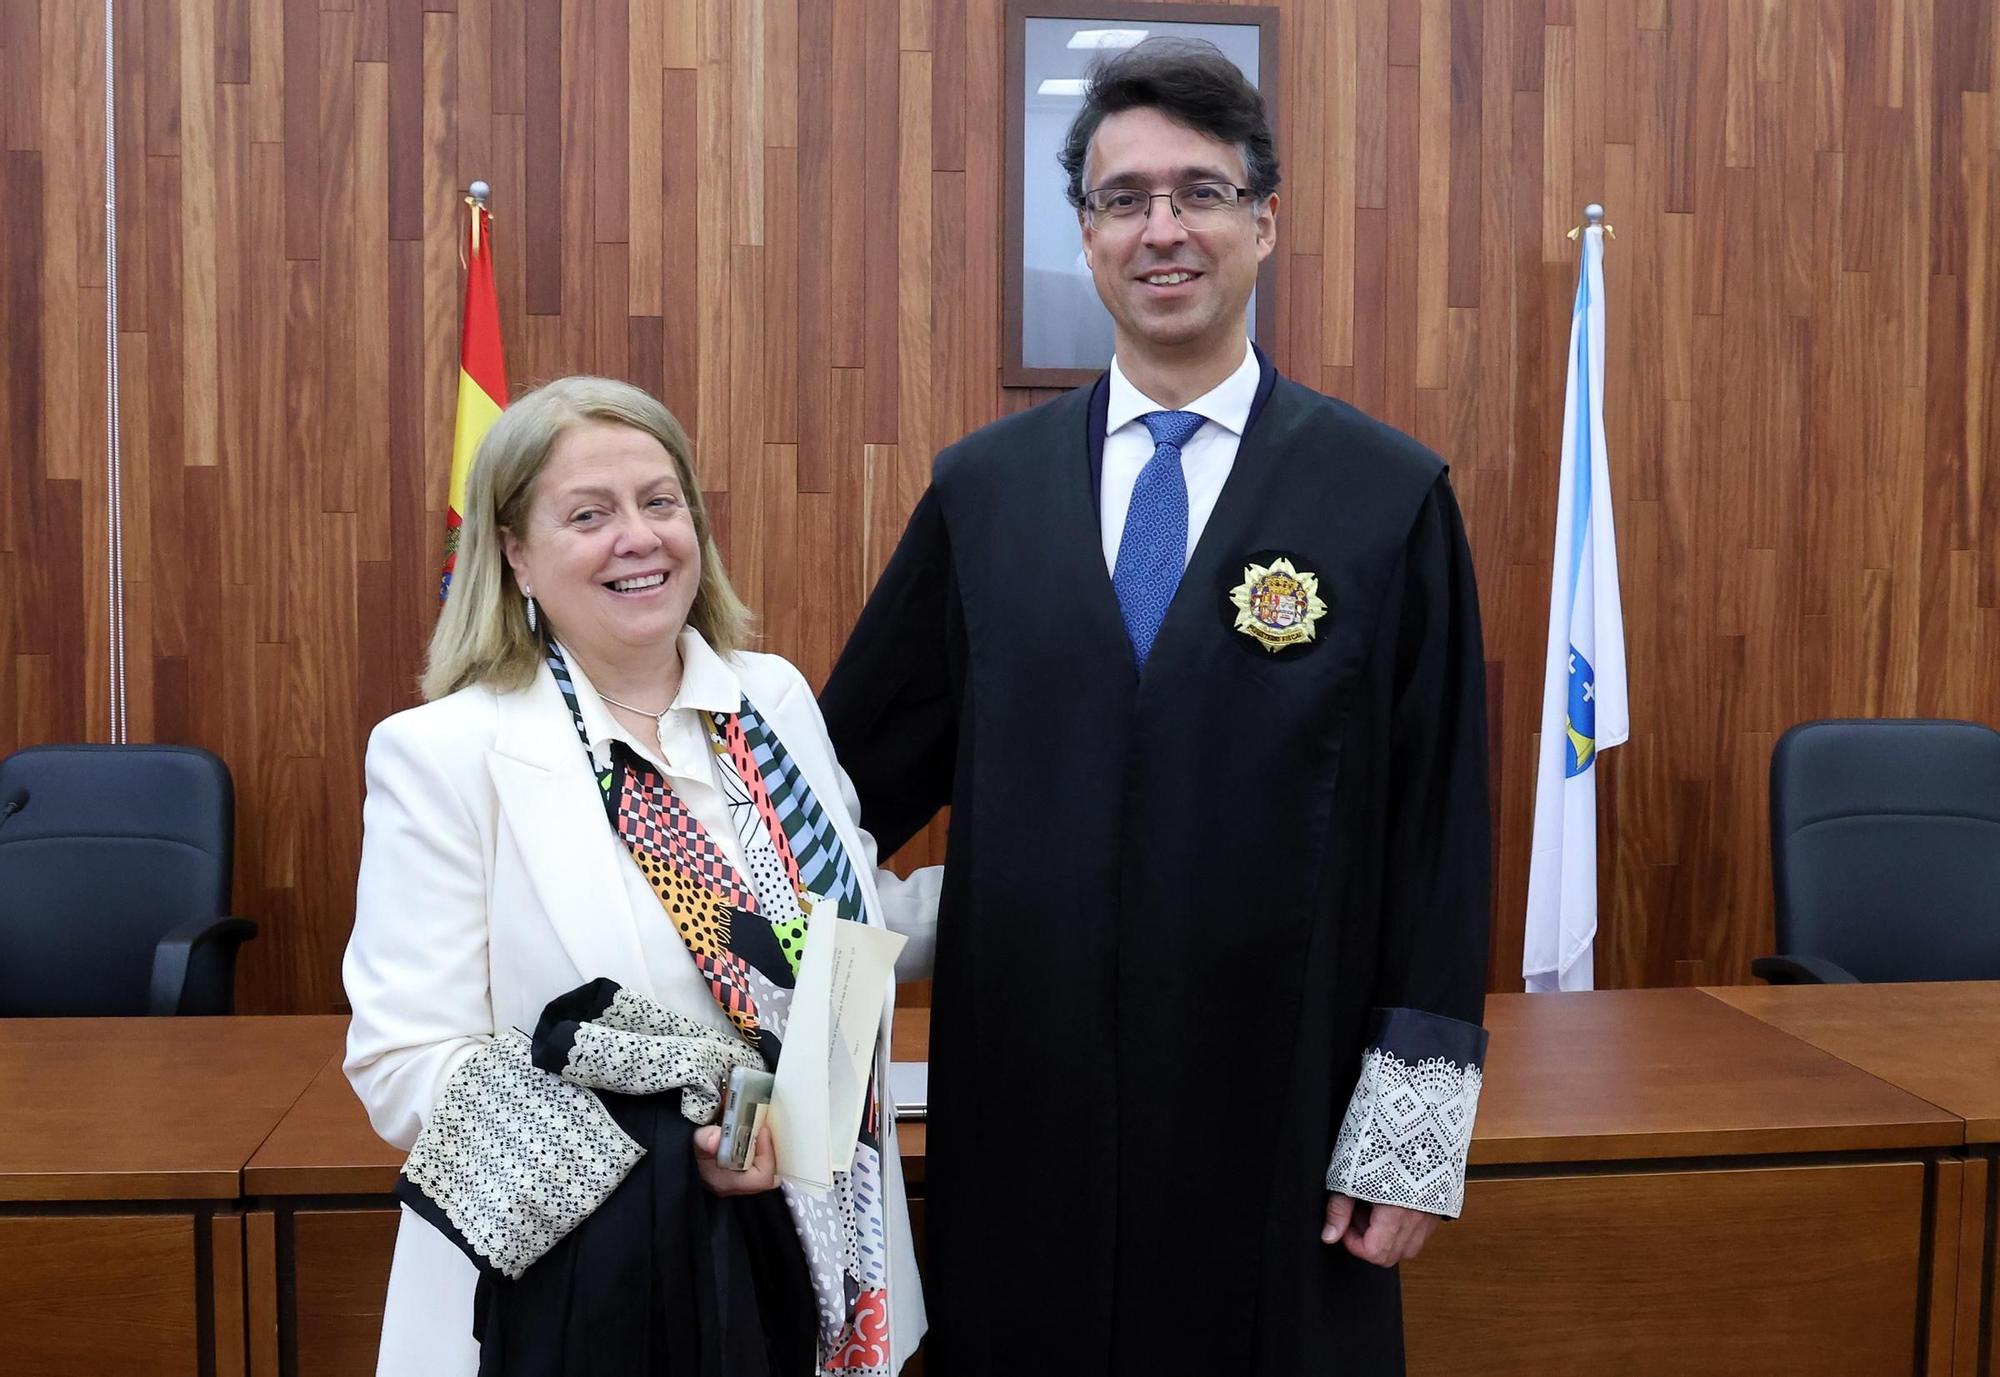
482 372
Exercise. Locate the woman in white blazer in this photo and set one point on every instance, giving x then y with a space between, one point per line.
494 878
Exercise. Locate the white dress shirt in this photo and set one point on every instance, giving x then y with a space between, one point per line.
682 753
1206 458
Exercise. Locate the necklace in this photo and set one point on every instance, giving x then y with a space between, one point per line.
643 712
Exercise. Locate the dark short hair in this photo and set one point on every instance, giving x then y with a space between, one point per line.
1190 82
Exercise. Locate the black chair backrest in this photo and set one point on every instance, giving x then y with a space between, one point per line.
115 846
1885 847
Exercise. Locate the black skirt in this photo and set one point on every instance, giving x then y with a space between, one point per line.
664 1279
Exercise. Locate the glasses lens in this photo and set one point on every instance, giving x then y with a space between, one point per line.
1203 200
1112 203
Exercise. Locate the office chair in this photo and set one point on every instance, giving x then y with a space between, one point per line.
114 882
1885 852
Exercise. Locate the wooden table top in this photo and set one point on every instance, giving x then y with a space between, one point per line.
1939 1041
1607 1076
147 1108
1636 1074
324 1146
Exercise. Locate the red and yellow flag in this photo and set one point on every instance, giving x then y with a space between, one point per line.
482 373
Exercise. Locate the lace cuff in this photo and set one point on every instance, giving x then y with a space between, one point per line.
607 1038
519 1150
512 1158
1409 1126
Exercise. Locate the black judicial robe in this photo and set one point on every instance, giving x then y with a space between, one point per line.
1172 899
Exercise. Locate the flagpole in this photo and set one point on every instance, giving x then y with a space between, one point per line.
482 369
1585 707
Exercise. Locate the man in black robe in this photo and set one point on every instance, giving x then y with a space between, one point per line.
1193 654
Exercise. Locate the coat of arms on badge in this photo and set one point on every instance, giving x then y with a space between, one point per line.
1277 604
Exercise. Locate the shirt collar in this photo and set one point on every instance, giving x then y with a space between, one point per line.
1227 404
708 685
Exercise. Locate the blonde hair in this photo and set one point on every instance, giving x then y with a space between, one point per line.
482 636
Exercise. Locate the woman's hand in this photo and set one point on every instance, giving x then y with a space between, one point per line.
720 1180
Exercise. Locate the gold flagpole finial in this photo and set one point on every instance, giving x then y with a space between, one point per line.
475 197
1593 218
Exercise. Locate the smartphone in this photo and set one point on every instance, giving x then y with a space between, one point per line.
746 1102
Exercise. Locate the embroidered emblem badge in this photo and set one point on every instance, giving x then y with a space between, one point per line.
1277 604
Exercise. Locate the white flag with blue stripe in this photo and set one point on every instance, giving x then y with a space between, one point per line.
1584 709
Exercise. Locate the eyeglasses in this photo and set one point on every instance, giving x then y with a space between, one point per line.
1198 205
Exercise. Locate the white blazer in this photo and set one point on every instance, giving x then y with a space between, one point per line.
490 884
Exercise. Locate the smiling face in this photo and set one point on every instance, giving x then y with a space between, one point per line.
608 546
1171 289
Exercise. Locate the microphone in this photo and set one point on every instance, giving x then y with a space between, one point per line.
13 804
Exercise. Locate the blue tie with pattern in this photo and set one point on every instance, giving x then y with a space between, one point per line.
1153 549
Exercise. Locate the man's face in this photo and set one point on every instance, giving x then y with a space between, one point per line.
1165 284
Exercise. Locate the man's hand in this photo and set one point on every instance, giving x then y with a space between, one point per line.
1382 1234
720 1180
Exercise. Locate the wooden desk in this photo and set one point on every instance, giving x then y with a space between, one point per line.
147 1108
1941 1042
121 1147
321 1226
1625 1075
319 1232
1938 1041
1662 1185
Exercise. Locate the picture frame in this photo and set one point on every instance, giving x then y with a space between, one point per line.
1057 332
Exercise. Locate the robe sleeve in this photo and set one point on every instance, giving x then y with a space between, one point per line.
1408 1128
891 703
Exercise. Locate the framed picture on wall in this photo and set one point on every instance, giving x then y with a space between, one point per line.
1058 333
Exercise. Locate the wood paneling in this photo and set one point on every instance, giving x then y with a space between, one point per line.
261 1307
66 1274
1712 1273
784 215
340 1270
227 1272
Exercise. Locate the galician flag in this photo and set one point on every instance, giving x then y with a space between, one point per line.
482 371
1584 708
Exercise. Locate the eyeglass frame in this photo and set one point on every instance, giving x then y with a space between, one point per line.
1244 196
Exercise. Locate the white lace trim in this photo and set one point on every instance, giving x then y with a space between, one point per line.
515 1157
1407 1133
637 1048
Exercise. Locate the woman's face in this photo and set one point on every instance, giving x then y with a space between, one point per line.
608 546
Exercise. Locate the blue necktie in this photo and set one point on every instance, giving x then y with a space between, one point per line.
1154 547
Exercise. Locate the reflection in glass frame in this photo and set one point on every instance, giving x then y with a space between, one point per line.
1058 333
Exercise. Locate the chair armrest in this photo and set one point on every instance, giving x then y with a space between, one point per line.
207 939
1801 970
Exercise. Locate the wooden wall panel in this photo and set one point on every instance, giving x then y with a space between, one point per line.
1835 1281
65 1273
784 215
340 1268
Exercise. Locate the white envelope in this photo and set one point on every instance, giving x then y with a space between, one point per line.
826 1070
864 967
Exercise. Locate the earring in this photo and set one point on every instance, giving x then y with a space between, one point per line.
530 596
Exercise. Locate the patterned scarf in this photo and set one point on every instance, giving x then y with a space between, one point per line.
747 936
